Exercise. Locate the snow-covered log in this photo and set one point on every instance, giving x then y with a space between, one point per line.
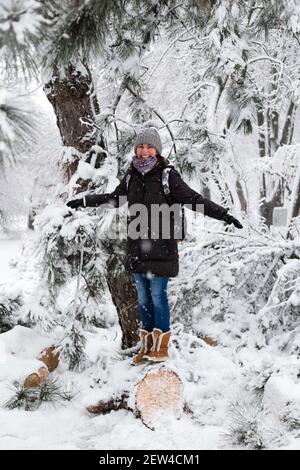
156 393
50 357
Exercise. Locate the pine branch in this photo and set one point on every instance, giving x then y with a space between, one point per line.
30 399
82 31
17 129
20 38
157 113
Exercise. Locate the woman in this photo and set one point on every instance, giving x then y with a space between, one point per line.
152 257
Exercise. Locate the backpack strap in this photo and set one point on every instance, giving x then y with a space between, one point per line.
166 189
166 184
164 180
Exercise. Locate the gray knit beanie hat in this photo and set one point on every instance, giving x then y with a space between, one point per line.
149 136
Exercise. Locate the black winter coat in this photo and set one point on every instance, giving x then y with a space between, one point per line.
158 256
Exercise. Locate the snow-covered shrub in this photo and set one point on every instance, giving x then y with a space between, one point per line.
63 240
258 373
72 345
281 313
230 278
72 287
281 395
252 426
11 301
41 309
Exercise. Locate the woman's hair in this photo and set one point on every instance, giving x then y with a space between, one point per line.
162 160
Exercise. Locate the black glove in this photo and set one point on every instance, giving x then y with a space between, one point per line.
229 219
75 203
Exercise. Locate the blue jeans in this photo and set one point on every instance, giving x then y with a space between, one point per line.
153 301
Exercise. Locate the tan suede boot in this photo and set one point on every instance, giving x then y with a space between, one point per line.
159 350
146 345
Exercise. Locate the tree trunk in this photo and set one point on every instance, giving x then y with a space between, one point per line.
296 201
262 154
274 131
123 293
71 99
273 116
277 199
157 392
240 193
268 206
72 103
268 143
286 136
296 206
261 135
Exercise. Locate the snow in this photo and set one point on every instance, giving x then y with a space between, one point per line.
212 378
69 426
6 128
85 171
294 19
15 369
9 249
28 19
241 289
282 396
295 298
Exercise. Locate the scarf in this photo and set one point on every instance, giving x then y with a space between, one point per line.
144 165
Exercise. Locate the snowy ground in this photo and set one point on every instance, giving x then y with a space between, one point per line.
9 249
213 378
68 426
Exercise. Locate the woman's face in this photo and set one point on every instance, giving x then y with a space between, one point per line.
144 151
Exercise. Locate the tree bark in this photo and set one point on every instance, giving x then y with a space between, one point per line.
159 390
268 143
240 193
296 202
74 103
286 136
286 139
268 206
261 135
123 293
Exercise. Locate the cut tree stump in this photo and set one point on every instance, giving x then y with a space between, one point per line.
158 392
50 357
32 380
36 378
